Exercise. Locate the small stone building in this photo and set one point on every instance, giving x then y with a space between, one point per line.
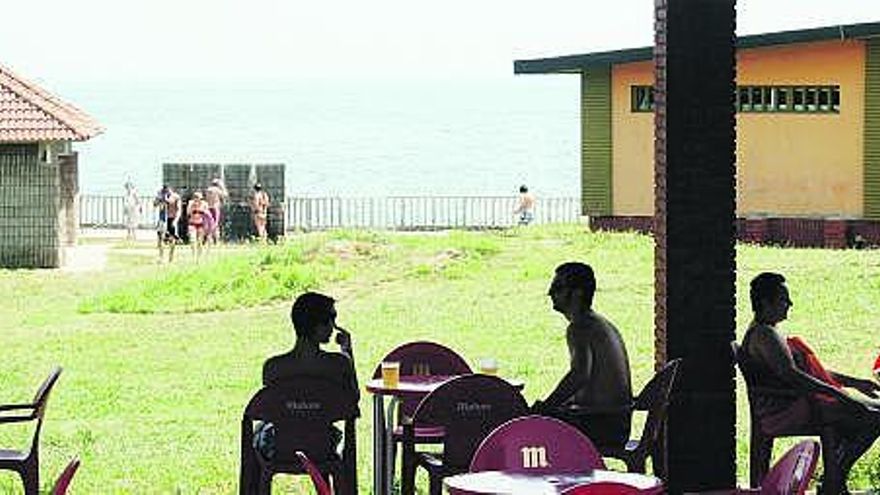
38 173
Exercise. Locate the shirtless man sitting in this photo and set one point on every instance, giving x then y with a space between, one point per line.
772 365
314 318
596 394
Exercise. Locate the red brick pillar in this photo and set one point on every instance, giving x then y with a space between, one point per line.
835 233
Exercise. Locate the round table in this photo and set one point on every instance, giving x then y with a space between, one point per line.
519 483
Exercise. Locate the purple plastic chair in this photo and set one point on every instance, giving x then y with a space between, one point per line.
27 464
609 488
538 445
415 358
318 480
468 408
66 477
789 476
302 413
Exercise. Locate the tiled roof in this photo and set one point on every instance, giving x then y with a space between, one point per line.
30 114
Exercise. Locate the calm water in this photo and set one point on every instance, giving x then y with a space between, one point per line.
352 139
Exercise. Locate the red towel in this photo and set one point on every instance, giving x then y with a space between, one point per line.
811 365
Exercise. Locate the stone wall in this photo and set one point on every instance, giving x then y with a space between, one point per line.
29 209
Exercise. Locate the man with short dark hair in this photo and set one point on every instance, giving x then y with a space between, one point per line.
314 318
595 395
774 362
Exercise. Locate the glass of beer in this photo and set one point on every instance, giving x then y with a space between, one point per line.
488 366
390 373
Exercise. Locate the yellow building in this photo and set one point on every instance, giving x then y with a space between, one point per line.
808 135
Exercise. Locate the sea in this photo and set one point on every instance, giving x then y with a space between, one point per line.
346 138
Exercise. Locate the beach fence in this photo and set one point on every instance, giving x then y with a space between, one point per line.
381 213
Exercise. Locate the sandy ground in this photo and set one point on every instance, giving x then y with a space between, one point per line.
91 253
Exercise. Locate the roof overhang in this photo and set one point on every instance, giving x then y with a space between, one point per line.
575 64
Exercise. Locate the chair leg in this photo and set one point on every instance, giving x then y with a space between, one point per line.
436 484
760 449
265 487
636 464
30 476
408 470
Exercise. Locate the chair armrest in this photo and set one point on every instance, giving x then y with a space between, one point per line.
775 392
15 407
15 419
578 411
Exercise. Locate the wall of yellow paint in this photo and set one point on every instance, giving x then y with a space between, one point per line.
632 138
789 164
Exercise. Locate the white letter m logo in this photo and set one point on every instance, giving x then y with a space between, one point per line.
534 457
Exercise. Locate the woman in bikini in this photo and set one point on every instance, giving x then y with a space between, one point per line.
199 221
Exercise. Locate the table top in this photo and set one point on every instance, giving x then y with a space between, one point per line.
418 384
509 483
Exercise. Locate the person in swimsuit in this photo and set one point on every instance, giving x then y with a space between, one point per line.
167 203
260 210
774 363
215 195
199 221
131 211
526 206
595 395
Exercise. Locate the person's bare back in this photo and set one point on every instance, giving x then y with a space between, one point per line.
598 351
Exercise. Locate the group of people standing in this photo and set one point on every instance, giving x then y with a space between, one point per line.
203 216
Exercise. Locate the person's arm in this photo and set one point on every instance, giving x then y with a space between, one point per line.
867 387
343 338
578 374
773 353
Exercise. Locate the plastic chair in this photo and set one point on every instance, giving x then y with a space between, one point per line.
609 488
27 464
790 475
421 357
320 483
302 414
536 445
654 398
764 429
63 481
468 408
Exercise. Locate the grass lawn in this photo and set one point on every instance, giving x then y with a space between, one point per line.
160 360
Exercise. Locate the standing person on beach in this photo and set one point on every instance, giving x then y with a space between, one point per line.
215 195
131 210
526 206
167 203
199 221
260 210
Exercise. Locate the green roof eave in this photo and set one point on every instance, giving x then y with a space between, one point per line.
577 63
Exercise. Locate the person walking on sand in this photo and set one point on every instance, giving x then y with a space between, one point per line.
167 203
215 195
526 207
131 211
260 210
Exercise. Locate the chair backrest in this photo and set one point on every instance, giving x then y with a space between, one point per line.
791 474
603 488
66 477
41 399
424 358
536 445
318 480
469 407
654 398
301 412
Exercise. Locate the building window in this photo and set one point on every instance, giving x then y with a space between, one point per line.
642 98
806 99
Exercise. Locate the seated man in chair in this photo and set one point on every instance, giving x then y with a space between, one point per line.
314 318
819 399
595 395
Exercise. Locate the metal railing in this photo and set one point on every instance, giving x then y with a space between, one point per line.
393 212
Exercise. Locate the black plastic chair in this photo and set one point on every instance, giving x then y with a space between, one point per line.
27 463
302 414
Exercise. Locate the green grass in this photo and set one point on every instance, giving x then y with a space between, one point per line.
160 359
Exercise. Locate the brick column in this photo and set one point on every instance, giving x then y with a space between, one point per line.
695 257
